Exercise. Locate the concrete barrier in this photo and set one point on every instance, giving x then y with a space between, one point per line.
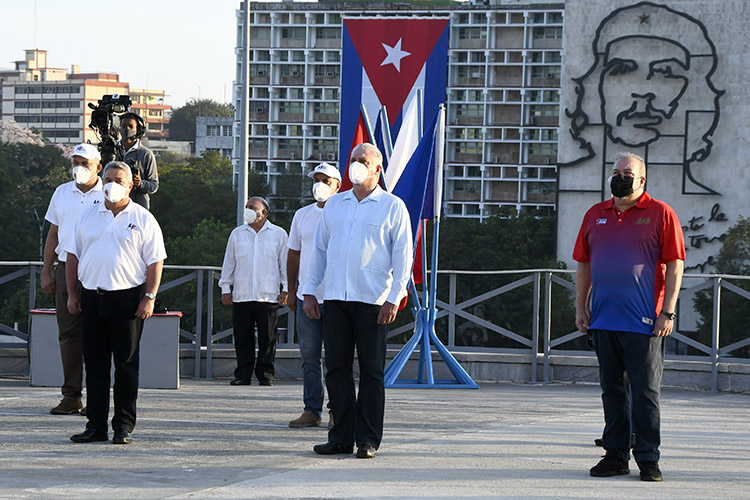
159 351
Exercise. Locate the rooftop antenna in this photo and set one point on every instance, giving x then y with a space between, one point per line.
35 46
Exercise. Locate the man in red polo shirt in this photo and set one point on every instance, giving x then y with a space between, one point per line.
630 253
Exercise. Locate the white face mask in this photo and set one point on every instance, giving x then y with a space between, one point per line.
114 192
358 172
81 175
250 216
321 191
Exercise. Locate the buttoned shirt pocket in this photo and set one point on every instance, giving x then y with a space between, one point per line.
375 254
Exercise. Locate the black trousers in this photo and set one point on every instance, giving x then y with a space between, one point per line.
348 326
111 331
630 373
246 316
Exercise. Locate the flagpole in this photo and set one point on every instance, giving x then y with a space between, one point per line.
426 315
387 140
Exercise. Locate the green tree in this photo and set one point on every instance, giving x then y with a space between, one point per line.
31 173
503 242
734 259
197 209
182 121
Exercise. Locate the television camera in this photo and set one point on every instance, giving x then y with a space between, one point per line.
105 120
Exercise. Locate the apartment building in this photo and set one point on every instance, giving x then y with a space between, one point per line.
504 65
56 100
214 133
150 104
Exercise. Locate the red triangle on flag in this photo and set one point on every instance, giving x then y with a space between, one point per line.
360 136
394 80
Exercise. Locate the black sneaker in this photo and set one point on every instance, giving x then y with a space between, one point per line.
610 466
650 471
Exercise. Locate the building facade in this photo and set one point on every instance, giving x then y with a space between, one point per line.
214 133
149 103
504 65
56 101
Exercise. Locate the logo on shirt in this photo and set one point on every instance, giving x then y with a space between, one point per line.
644 220
132 227
646 320
96 202
601 221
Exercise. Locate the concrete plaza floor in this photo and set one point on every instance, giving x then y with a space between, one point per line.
210 440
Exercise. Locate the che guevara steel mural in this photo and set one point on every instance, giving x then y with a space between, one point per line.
649 89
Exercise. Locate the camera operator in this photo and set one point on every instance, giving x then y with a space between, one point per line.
139 157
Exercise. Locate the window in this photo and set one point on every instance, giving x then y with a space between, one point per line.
290 107
469 110
327 108
545 72
293 70
474 72
467 186
542 148
328 33
475 33
255 143
290 144
323 145
548 33
467 147
293 33
478 57
542 110
260 33
258 69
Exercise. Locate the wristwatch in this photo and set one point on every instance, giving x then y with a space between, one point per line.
671 316
150 295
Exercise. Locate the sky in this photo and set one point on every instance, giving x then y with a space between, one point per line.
185 47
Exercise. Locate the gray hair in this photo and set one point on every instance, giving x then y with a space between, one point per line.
119 165
373 151
262 202
633 156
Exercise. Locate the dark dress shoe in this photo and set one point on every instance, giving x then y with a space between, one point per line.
240 381
121 437
266 382
366 451
332 448
89 435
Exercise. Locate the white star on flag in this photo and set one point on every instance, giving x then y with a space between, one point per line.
395 54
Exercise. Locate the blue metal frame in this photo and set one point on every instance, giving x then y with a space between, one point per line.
424 331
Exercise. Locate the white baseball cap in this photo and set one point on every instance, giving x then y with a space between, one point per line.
87 151
326 169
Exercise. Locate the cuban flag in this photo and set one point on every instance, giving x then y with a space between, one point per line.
384 62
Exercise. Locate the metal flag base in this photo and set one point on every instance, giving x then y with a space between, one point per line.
424 336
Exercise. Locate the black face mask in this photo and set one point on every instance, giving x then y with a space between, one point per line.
621 185
128 134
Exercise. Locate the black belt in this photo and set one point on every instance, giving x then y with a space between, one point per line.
102 291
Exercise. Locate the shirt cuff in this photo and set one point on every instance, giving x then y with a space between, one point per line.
226 289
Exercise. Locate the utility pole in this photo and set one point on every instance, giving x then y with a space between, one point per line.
242 188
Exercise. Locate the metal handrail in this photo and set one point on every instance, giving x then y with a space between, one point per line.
541 282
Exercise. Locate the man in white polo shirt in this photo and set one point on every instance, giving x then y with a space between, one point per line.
363 249
309 331
117 254
253 282
67 203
